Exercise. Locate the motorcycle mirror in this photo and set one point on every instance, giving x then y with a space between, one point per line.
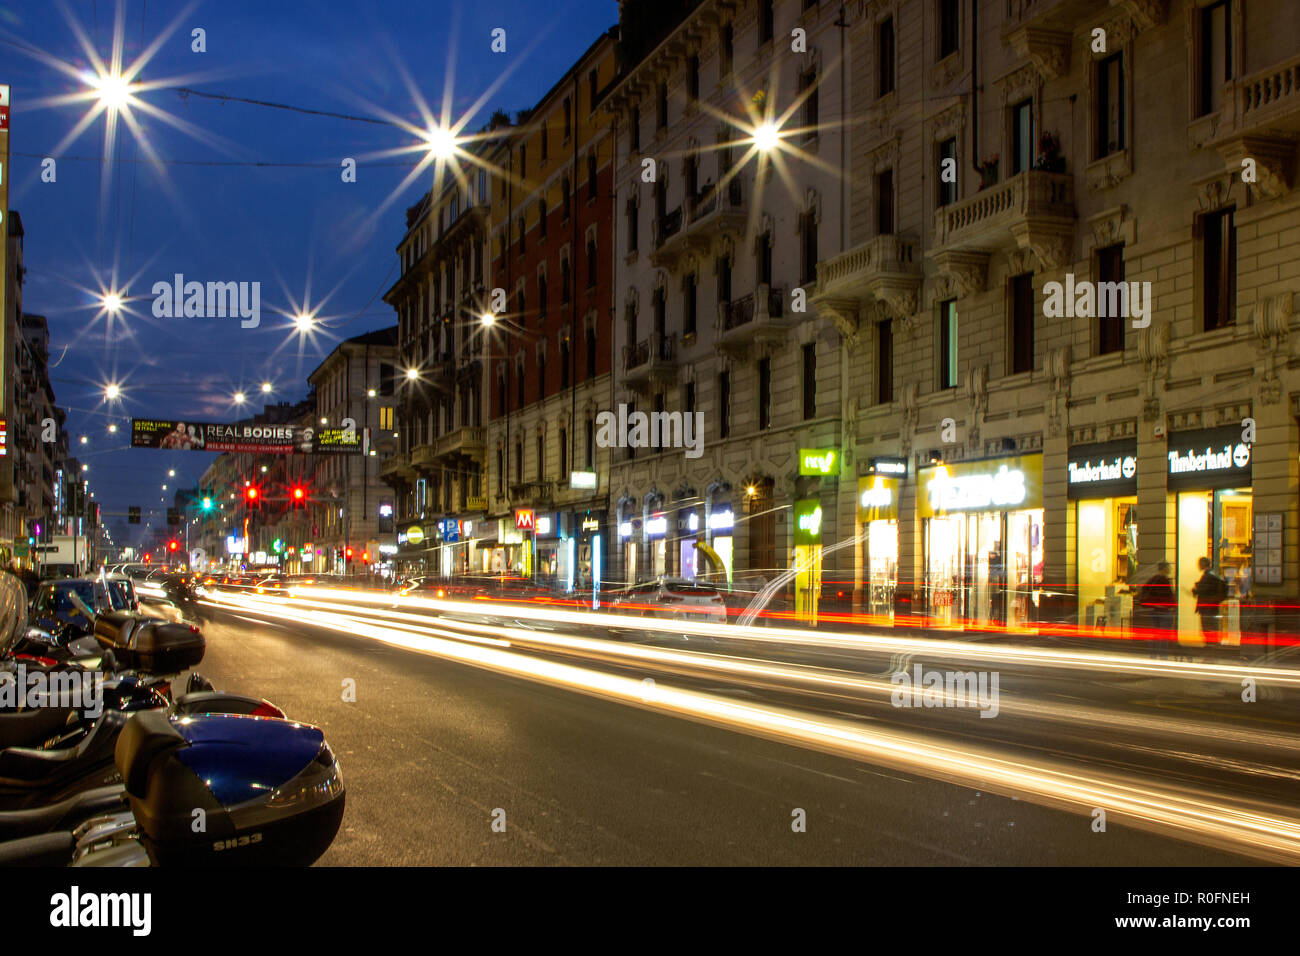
44 637
197 682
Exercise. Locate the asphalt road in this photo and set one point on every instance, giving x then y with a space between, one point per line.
432 750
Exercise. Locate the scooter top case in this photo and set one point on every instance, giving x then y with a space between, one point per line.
148 644
270 790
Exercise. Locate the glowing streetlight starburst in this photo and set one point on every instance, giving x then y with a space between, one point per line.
441 143
112 392
112 303
767 137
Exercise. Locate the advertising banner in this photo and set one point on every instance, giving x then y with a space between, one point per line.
243 437
995 484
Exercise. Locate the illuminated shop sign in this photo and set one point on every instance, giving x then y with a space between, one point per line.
808 521
524 519
721 520
1000 484
582 479
877 498
590 524
819 461
1208 458
1102 470
414 534
656 526
889 466
625 529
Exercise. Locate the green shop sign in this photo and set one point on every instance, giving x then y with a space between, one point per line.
808 521
819 461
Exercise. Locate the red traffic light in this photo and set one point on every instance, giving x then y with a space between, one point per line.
172 545
349 552
299 493
365 556
148 558
251 494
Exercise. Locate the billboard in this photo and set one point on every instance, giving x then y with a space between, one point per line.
243 437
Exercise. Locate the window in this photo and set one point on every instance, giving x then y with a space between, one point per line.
1022 136
884 362
1215 56
688 398
764 393
591 444
726 50
566 199
724 279
724 404
501 393
542 295
632 225
809 380
885 203
1022 323
591 352
631 324
1218 241
541 376
385 379
564 454
541 457
386 418
949 24
541 218
948 344
947 190
631 449
565 358
519 461
568 118
659 311
591 177
635 130
519 243
689 313
807 247
521 304
591 263
766 21
545 140
483 196
885 57
519 382
691 175
663 105
693 78
591 91
1108 115
763 265
811 105
523 158
564 280
1110 311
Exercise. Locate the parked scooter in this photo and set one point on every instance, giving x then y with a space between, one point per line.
267 792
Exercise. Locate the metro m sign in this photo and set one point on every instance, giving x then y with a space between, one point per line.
523 519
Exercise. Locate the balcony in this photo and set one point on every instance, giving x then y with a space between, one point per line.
886 270
424 457
652 360
396 469
662 231
1033 210
1261 121
754 319
1048 14
465 441
708 217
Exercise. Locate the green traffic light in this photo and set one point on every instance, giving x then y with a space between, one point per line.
207 504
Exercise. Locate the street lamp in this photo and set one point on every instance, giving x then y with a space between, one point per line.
112 392
766 137
171 472
370 393
324 421
266 388
112 429
84 440
112 303
487 319
239 398
441 142
412 374
304 321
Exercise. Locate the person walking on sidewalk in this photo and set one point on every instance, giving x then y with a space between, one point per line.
1209 592
1156 607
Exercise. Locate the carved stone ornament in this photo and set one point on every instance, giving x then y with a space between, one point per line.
1271 323
1048 50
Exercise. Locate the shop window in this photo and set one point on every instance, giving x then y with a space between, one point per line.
947 350
1106 561
1110 327
1216 525
1217 237
1022 323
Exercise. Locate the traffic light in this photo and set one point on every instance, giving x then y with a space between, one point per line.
349 552
172 545
251 495
365 557
206 504
148 558
133 515
298 494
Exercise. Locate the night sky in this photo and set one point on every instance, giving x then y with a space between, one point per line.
297 229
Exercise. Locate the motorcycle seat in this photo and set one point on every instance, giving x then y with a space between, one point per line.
28 766
33 726
48 849
21 823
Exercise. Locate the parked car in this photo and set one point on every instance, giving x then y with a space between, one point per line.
676 599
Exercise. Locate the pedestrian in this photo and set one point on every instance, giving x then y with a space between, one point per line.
1209 592
1156 608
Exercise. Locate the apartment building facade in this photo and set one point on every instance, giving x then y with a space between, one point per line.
1017 414
549 348
729 140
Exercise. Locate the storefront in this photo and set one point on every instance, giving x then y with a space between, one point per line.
982 528
1102 489
878 536
689 563
551 555
807 563
511 552
1211 484
586 542
718 548
654 532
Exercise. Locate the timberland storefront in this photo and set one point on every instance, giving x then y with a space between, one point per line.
982 535
1102 492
